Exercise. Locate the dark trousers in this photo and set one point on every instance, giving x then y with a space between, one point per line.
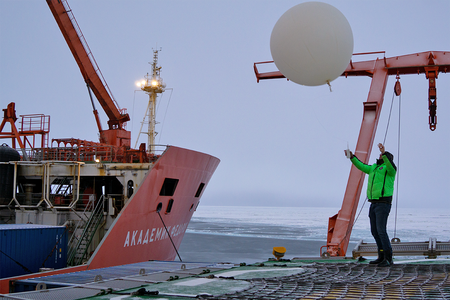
378 215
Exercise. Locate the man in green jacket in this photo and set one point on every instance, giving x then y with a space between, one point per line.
380 188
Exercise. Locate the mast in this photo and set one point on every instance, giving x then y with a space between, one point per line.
153 85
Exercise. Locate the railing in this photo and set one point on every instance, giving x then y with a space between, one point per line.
89 222
58 201
95 153
431 248
34 124
85 151
42 169
91 153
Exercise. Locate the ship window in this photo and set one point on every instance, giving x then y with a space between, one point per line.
158 208
169 206
168 187
130 188
192 206
199 190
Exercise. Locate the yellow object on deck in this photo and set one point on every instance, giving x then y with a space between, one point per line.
279 252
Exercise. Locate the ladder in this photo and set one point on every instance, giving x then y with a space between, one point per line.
79 245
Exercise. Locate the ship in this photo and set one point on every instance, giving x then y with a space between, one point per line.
115 204
331 275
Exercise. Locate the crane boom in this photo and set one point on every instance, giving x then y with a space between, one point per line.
429 63
115 135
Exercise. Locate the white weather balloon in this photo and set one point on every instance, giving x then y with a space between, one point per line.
312 43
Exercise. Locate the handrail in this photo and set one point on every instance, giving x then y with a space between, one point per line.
90 227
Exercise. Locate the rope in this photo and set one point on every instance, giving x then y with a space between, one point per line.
54 247
169 235
389 119
350 228
398 165
398 153
18 263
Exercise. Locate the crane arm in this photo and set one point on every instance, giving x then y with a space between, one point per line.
86 62
428 63
416 63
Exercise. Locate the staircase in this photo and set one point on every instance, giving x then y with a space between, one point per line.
78 246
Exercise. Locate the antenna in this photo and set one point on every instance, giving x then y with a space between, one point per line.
152 85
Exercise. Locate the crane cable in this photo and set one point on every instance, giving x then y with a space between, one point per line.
398 153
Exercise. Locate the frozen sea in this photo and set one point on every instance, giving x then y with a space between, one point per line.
248 234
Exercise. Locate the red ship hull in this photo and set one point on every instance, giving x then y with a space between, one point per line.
138 234
153 221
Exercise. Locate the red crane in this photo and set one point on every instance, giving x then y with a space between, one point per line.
115 135
429 63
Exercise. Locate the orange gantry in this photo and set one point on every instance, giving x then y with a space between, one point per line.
430 63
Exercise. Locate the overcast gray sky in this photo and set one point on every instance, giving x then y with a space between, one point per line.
279 143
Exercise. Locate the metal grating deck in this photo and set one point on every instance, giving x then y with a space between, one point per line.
307 279
353 281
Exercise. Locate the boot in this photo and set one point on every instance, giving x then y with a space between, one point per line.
379 259
387 261
389 258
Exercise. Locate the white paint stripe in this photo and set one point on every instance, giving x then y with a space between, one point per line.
421 260
194 282
240 272
120 297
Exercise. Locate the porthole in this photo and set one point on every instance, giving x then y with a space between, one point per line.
130 188
159 207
